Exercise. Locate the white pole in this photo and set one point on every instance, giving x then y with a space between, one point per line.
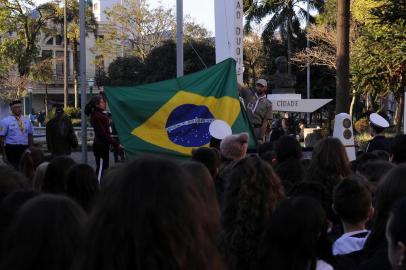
308 64
99 173
404 111
179 38
82 71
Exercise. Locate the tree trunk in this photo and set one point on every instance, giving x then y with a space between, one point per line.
65 55
46 99
343 57
399 113
289 40
75 71
352 106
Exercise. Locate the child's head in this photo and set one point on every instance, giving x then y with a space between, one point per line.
352 201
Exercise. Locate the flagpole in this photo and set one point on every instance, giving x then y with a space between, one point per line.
179 38
308 64
82 71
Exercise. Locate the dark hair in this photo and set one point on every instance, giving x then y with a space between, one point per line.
46 234
253 192
397 223
367 157
265 148
205 186
316 191
92 104
11 180
352 200
398 149
329 163
391 188
29 161
210 157
374 171
149 215
54 179
293 235
9 207
287 147
82 185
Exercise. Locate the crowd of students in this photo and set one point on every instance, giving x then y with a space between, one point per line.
222 209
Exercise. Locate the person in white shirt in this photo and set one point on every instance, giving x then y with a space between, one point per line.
352 202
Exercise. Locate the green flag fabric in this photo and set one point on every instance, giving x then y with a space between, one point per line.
172 117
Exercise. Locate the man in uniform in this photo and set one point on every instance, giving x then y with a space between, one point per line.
15 134
259 109
377 125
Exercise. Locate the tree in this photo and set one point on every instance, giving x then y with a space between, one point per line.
125 71
379 60
74 34
21 23
13 85
343 57
135 29
285 16
254 58
42 73
323 51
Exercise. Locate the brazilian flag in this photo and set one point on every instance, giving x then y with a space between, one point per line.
172 117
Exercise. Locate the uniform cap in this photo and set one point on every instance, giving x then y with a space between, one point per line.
219 129
262 82
378 120
14 102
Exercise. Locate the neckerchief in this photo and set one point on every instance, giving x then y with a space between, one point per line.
20 123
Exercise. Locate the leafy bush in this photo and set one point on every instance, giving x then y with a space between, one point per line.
72 112
361 125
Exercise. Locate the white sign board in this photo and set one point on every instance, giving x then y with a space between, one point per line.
343 130
229 33
296 105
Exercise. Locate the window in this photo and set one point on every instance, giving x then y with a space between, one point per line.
46 54
59 62
50 41
58 40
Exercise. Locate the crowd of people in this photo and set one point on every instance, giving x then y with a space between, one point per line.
221 209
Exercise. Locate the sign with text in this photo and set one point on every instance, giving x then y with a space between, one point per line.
296 105
229 33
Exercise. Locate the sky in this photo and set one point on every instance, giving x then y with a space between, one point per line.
202 12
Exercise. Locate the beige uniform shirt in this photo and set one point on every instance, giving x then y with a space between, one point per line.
259 109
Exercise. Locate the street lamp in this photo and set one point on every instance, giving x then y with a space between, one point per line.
91 84
29 102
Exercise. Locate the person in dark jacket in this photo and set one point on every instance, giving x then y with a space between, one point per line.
60 136
378 124
102 135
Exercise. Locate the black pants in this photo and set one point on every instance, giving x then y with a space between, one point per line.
14 153
101 151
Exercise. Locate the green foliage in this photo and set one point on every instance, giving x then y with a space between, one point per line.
72 112
125 71
25 21
42 72
161 63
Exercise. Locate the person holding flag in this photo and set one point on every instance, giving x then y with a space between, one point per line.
102 135
259 109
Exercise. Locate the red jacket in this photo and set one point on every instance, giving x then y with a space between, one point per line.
101 126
